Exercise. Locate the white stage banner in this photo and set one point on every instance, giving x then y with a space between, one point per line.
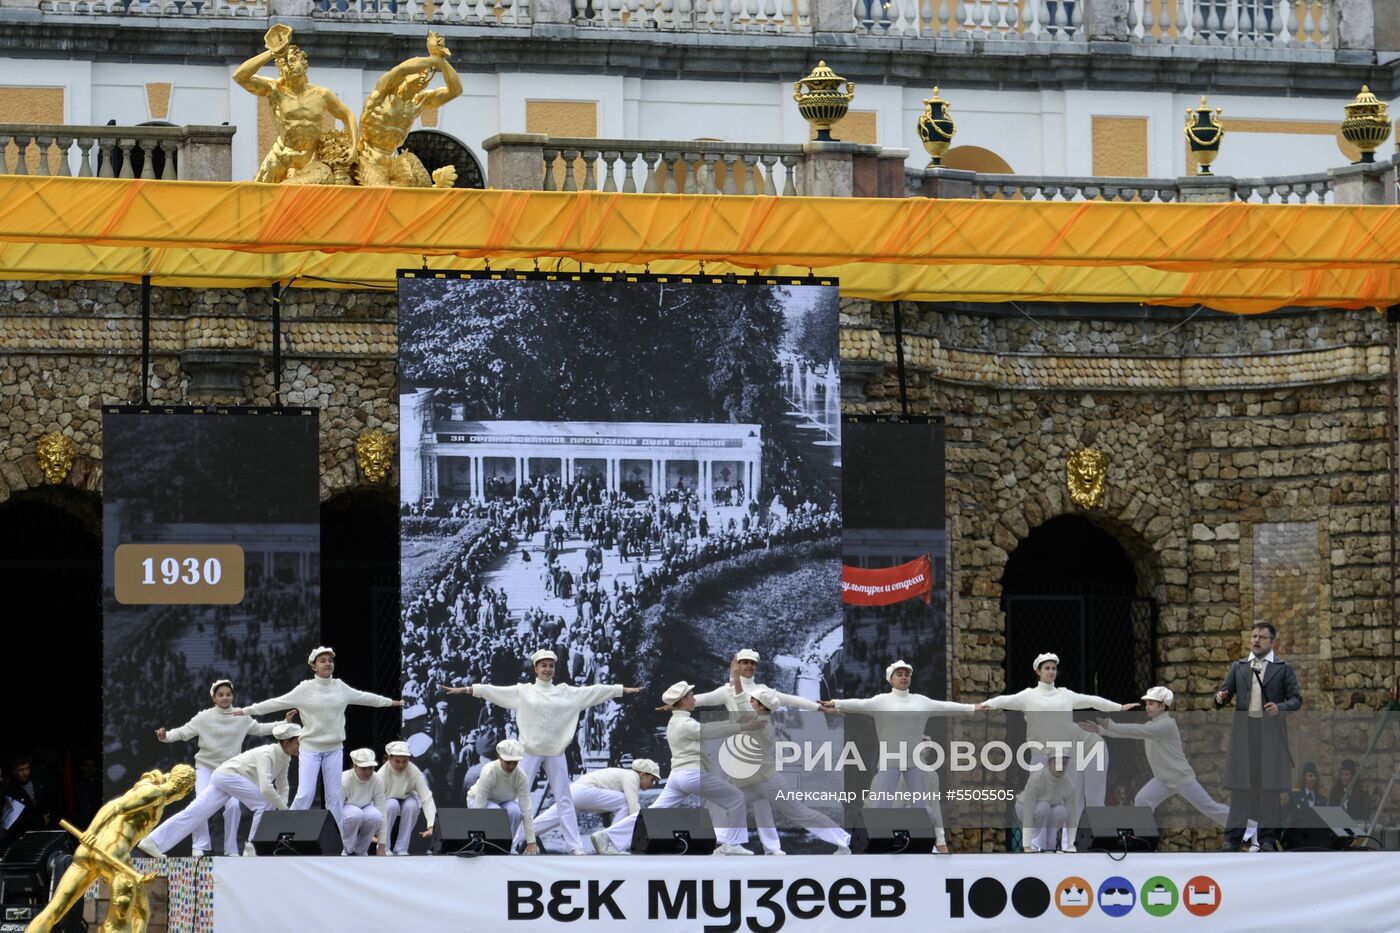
1353 891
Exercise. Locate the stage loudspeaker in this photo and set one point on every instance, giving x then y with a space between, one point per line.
297 832
886 831
673 831
1117 829
1325 828
482 832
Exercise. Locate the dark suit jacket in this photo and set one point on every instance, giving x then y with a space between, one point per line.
1276 763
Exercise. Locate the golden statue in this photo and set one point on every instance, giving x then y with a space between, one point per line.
1086 472
56 452
374 450
297 156
397 100
105 852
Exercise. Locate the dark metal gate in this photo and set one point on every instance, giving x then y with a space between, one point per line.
1106 644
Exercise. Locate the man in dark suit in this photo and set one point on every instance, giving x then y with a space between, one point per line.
1258 766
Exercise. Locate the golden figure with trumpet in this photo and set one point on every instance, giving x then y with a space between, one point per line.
105 852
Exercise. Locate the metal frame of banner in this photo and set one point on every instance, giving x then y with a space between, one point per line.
702 278
209 410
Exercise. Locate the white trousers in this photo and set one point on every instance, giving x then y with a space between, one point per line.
326 766
1091 782
1047 823
734 830
763 798
585 797
233 813
221 789
556 769
359 826
406 812
916 781
1154 793
512 808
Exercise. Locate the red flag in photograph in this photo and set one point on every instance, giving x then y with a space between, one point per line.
885 586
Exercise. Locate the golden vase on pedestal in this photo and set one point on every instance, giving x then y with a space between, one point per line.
1367 124
823 103
1204 131
936 128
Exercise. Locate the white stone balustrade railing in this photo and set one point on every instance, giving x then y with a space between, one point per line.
462 12
1281 24
1358 184
166 153
670 167
1013 20
735 16
256 9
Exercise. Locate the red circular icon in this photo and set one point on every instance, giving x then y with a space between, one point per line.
1201 896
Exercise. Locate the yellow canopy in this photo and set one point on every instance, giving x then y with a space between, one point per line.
1235 257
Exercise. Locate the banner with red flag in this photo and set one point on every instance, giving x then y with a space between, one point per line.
885 586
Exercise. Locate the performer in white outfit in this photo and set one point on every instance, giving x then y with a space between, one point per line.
610 790
362 807
735 695
257 777
1048 806
321 702
406 793
690 774
547 717
1172 774
900 717
220 734
762 795
502 785
1049 719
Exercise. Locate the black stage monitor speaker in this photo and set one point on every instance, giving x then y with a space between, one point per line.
673 831
1325 828
483 832
893 831
297 832
1116 829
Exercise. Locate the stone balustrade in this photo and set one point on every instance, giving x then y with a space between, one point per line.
186 153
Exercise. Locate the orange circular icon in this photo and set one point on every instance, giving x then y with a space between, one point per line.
1201 896
1073 896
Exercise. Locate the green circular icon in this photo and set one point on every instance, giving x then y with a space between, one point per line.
1159 896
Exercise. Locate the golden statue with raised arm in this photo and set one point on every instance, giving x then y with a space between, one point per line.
297 107
105 852
397 100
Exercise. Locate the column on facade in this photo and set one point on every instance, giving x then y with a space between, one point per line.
478 472
705 482
661 486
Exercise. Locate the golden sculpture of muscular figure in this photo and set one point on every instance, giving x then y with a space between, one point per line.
397 100
297 108
105 852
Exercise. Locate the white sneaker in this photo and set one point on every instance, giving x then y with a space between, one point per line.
774 852
842 850
602 844
578 852
149 847
732 850
196 853
248 849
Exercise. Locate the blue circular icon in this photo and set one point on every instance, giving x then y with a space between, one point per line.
1117 896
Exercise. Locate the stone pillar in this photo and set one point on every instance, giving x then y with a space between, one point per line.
1363 184
552 11
515 161
945 183
833 16
1355 25
206 153
1196 189
828 170
891 164
293 8
1107 20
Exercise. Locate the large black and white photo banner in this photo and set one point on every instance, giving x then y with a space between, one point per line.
639 473
211 550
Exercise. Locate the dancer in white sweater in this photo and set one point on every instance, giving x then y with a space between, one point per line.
1048 806
1050 721
220 734
608 790
735 695
502 784
406 793
362 796
547 716
321 702
690 776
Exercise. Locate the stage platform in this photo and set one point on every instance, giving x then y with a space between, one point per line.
1352 891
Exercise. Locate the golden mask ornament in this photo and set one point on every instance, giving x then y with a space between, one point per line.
823 103
374 451
56 453
1086 475
1367 124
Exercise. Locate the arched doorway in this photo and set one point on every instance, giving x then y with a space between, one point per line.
51 576
436 149
360 605
1069 587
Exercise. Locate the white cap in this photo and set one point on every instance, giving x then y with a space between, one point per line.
319 650
748 654
510 750
225 682
544 654
768 697
394 749
676 692
889 671
363 758
285 730
646 766
1160 694
1042 658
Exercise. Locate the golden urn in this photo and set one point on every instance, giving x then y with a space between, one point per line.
936 128
1367 124
1204 131
823 103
